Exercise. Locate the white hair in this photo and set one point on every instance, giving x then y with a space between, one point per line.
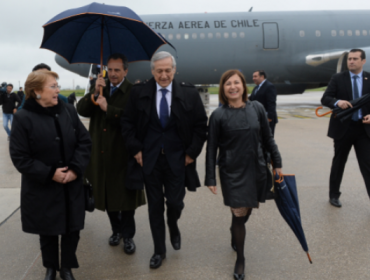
161 55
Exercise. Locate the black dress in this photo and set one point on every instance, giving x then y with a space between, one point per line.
238 134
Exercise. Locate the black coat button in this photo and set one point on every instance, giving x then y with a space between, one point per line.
57 139
56 115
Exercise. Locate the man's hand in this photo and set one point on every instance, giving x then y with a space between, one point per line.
60 175
366 119
213 189
270 120
70 176
98 84
279 171
188 160
14 110
343 104
102 102
139 158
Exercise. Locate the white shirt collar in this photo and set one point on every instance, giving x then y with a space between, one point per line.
117 86
359 74
169 87
260 85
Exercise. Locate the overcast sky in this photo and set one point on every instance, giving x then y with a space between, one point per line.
21 23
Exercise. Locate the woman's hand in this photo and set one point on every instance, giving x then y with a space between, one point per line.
60 174
70 176
213 189
279 171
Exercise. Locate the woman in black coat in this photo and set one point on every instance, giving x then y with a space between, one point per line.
51 148
239 129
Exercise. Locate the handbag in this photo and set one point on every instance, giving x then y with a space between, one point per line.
88 188
89 198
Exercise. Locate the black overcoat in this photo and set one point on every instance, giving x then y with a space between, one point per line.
191 121
340 88
238 134
41 141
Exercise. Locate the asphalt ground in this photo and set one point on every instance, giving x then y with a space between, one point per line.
338 238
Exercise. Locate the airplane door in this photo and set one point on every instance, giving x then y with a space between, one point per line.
270 35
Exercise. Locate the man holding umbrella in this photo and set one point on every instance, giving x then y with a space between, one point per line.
355 131
107 168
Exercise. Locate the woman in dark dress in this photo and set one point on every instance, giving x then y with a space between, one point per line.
238 130
51 148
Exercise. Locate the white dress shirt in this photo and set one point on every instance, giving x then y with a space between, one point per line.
168 98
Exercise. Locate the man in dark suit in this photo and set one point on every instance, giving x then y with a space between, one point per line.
165 126
265 93
355 132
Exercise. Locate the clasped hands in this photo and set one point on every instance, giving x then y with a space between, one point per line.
213 189
64 175
139 159
344 104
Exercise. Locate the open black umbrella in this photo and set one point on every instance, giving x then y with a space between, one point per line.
91 33
286 200
345 114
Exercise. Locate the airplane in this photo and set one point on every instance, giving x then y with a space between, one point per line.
299 50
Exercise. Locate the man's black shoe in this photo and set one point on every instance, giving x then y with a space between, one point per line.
335 202
51 274
156 260
175 237
114 239
66 274
129 246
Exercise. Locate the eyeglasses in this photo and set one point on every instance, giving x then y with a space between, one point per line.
54 87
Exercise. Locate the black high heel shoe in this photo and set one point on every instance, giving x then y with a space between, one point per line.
239 276
237 269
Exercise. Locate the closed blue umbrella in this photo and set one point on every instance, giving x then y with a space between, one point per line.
287 202
91 33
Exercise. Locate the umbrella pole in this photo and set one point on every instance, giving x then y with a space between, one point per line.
309 257
101 59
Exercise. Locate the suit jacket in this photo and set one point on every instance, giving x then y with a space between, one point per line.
340 88
266 95
191 120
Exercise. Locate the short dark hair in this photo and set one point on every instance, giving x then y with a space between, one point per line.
41 66
20 87
261 73
227 75
9 85
121 57
363 54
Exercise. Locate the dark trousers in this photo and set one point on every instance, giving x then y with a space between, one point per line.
50 250
272 127
123 222
163 184
356 136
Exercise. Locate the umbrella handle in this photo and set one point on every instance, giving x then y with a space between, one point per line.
93 98
281 178
317 112
309 257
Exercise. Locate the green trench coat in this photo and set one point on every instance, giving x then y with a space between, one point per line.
108 165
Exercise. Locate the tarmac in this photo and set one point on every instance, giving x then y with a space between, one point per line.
337 237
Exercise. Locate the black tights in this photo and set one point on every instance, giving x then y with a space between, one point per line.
238 235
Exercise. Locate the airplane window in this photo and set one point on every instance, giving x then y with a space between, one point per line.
341 32
301 33
226 35
318 33
186 36
357 32
242 34
178 36
194 36
234 35
210 35
202 35
364 33
170 36
218 35
333 33
349 32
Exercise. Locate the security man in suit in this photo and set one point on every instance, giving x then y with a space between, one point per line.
343 87
265 93
164 126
